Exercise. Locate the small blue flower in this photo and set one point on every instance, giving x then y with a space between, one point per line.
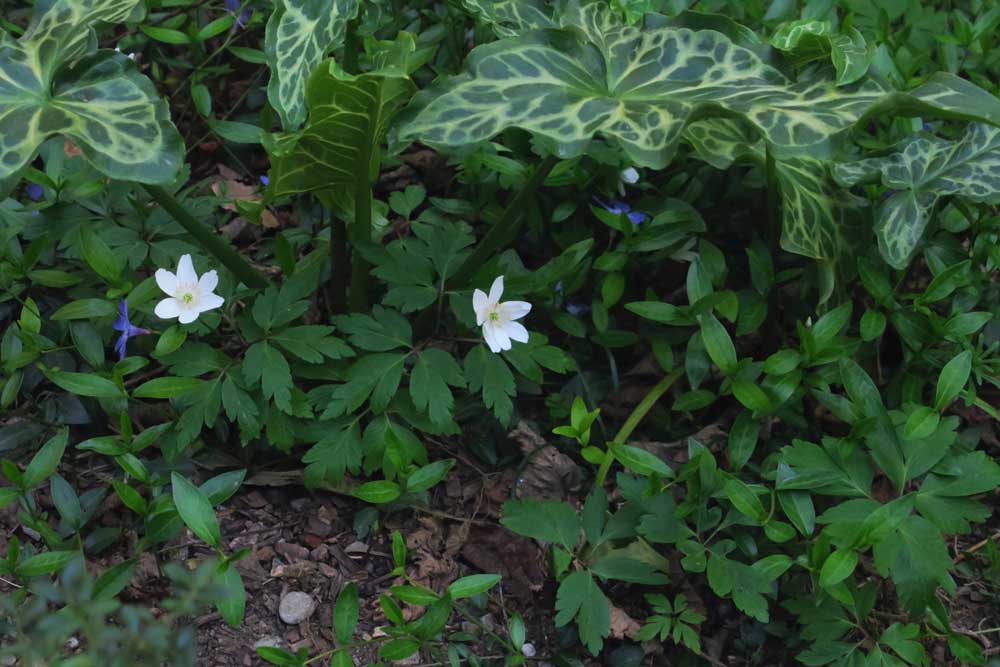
265 180
233 5
577 308
244 18
35 191
616 207
128 330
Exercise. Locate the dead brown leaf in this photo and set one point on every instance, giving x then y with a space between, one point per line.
623 625
548 473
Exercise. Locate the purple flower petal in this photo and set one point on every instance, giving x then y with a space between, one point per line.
35 191
244 17
120 345
637 217
265 180
233 5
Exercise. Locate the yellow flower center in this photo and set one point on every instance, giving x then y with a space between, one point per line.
188 297
494 316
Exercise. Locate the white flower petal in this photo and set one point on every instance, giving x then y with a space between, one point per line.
496 290
185 271
209 302
166 281
501 337
514 310
516 331
208 282
490 338
168 309
480 304
188 316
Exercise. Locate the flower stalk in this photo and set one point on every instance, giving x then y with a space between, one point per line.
208 240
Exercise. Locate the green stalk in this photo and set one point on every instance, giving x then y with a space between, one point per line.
506 227
340 264
634 419
208 239
361 232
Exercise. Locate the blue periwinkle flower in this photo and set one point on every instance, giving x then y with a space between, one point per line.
35 191
616 207
125 326
265 181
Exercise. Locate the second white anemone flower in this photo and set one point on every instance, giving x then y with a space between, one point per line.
497 319
188 296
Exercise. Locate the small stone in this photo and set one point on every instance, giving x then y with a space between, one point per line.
255 500
292 551
296 607
528 650
270 641
356 548
72 643
318 526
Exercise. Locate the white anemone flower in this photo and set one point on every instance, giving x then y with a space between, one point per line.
497 319
187 295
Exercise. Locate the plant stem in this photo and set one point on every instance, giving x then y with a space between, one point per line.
340 265
352 45
506 227
361 232
208 239
638 413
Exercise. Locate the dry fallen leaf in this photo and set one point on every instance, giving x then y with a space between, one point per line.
623 625
548 473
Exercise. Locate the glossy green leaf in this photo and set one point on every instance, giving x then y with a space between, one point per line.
53 83
45 562
474 584
299 35
196 510
838 566
952 380
233 600
345 612
46 460
925 170
377 492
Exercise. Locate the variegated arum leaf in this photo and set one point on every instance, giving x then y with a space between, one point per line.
819 219
640 85
349 117
924 171
299 35
508 18
52 83
806 40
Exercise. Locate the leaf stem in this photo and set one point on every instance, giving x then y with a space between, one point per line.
208 240
340 265
634 419
506 227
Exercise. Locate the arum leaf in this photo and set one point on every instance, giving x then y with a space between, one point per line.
640 85
349 117
925 170
508 18
299 35
807 40
50 85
